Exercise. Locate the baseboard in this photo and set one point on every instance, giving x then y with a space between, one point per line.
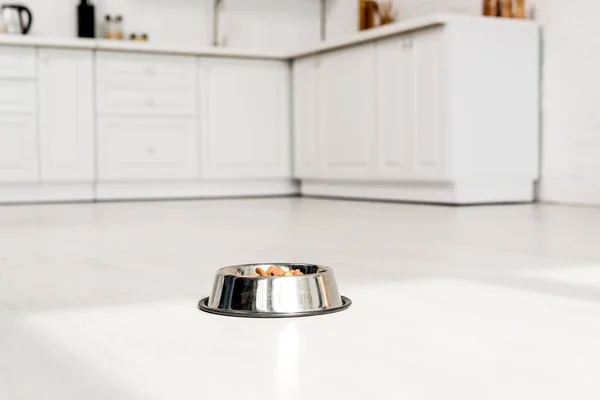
570 191
425 192
106 191
46 193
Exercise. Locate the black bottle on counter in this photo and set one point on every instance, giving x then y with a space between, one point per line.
86 20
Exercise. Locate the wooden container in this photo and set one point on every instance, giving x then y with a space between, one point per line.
506 8
520 9
490 8
367 10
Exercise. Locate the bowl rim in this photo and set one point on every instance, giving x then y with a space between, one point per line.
323 269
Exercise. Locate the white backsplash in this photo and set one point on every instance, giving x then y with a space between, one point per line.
342 15
257 24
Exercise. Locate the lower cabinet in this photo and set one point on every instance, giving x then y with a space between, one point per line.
347 104
305 88
147 149
18 149
415 116
245 114
410 113
66 115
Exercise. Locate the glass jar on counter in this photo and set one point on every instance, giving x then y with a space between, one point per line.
119 32
113 27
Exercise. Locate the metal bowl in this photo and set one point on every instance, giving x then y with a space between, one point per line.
237 293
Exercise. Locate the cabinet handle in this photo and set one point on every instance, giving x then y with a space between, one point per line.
150 151
150 103
150 71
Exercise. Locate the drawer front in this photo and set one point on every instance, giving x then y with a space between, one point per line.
132 98
17 96
17 62
119 67
18 149
147 149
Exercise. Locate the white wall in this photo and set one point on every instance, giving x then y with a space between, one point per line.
342 15
259 24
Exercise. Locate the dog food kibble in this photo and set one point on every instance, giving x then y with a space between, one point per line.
274 271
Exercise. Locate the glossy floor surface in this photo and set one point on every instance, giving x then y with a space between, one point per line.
99 302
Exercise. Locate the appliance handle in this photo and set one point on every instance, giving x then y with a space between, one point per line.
29 19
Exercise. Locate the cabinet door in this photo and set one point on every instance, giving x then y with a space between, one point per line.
306 136
396 111
347 121
430 151
66 115
147 149
18 149
245 113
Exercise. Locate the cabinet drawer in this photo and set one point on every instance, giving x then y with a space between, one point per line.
17 96
18 150
147 149
119 67
136 98
17 62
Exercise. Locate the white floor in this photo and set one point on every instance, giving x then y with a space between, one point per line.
99 302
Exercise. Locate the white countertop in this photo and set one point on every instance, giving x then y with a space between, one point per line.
98 301
138 47
397 28
400 27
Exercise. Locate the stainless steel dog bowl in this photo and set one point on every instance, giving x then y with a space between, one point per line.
237 293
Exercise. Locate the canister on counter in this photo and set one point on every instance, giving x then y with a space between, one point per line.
490 8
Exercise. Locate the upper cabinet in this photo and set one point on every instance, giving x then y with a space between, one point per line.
66 115
245 118
347 108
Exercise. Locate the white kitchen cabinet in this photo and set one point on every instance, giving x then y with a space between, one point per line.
347 104
305 87
245 114
114 66
18 149
17 62
127 98
410 98
147 149
426 115
396 111
430 151
17 96
66 115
